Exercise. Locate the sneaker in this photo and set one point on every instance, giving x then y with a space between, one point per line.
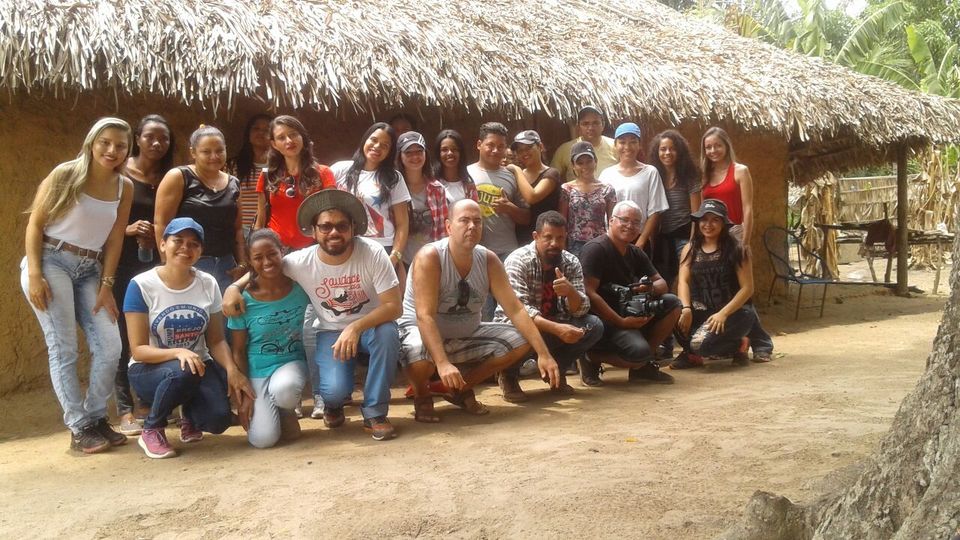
89 441
298 410
650 372
289 425
333 417
589 372
129 425
379 428
317 412
685 360
189 433
104 428
510 386
761 357
154 443
529 368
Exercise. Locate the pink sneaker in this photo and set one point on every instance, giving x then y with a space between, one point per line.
189 433
154 443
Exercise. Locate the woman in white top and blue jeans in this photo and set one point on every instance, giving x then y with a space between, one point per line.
73 243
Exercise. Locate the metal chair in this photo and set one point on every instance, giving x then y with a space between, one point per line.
779 241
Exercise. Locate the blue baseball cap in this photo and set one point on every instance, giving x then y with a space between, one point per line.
627 128
180 224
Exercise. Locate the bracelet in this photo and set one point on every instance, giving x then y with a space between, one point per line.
243 266
108 281
686 307
397 253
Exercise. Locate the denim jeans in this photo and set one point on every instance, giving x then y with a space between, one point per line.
310 348
567 353
217 267
630 344
74 282
280 391
336 378
706 343
166 386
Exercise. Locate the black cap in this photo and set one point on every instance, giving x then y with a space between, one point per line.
581 148
409 139
712 206
588 109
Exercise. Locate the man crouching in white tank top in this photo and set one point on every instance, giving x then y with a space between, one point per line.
440 329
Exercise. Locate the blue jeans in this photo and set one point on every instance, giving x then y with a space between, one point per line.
336 378
74 282
567 353
633 345
166 386
217 267
738 325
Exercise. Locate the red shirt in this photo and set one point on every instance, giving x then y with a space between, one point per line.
283 209
727 192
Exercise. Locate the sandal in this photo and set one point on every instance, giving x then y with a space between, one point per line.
468 402
423 410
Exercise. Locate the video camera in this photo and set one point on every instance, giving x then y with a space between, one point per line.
631 304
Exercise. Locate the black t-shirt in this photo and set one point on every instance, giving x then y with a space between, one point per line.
215 211
141 207
602 261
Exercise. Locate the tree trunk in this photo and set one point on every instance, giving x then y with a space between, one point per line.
910 488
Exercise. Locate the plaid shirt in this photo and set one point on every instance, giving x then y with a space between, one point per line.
439 211
525 272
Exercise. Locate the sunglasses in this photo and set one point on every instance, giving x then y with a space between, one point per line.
327 228
463 293
291 190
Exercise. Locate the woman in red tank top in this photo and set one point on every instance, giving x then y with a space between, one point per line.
728 181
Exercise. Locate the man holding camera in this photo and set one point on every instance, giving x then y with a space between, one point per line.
633 302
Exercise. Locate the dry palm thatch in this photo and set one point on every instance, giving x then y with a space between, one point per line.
634 58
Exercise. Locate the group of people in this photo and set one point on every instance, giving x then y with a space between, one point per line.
242 281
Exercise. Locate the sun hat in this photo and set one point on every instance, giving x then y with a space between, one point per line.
331 199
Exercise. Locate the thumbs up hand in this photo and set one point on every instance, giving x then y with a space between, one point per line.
562 285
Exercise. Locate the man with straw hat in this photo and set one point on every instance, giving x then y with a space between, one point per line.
356 294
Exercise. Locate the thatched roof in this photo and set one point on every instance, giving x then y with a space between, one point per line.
635 59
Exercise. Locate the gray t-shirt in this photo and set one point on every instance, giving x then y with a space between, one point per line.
499 231
459 305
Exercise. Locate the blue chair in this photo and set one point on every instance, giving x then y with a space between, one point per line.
780 244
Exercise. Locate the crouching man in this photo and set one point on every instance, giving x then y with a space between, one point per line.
631 298
548 281
355 291
440 328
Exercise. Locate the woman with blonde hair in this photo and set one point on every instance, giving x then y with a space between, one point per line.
73 242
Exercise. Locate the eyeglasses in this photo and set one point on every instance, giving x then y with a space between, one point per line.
630 222
327 228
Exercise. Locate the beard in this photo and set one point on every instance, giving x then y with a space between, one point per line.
553 258
335 251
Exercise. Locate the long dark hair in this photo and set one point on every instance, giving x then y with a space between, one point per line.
731 252
461 147
277 165
688 174
244 159
386 173
166 162
255 236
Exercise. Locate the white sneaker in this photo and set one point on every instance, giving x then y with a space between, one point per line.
317 412
529 368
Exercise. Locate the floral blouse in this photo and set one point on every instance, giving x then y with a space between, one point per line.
587 212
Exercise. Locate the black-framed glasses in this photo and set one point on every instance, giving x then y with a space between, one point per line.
327 228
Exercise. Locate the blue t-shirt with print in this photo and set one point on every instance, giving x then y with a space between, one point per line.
274 331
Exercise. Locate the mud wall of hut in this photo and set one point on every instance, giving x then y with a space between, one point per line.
40 131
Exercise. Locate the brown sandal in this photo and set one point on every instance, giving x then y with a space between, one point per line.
423 410
468 402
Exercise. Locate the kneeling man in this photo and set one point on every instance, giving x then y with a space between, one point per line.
440 328
548 281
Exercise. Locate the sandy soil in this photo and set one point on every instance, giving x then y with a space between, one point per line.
637 460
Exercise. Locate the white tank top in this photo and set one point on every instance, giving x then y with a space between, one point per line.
88 223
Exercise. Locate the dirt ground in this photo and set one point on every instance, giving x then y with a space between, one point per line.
625 460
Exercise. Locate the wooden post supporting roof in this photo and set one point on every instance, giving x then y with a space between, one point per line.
903 248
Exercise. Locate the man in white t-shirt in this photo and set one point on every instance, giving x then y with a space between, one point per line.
355 291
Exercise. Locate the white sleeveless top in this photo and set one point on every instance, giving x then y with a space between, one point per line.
88 223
